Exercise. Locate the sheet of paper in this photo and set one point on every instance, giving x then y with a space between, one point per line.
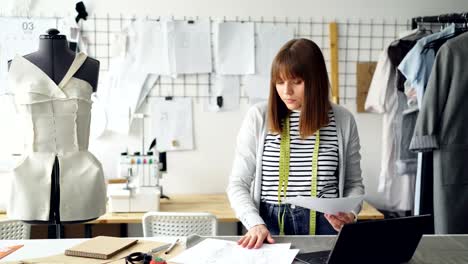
118 92
326 205
257 87
148 85
151 46
172 123
228 87
131 76
216 251
19 36
118 44
77 42
192 40
235 48
270 39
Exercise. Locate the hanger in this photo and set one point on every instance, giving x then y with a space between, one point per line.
421 28
436 44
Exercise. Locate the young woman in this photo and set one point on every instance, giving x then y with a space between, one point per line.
297 144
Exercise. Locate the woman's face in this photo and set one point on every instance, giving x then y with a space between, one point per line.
291 92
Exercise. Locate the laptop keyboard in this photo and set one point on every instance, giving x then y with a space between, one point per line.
318 257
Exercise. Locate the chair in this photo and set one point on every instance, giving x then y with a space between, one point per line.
13 229
179 224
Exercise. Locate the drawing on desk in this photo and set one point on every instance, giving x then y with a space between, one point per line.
216 251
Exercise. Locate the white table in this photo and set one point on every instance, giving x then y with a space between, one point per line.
37 248
433 249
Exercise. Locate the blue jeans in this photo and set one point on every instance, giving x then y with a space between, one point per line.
296 220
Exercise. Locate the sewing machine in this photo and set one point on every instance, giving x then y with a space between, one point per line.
139 189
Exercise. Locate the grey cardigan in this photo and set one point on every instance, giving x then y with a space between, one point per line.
245 180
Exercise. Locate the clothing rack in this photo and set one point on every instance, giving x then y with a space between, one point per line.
440 19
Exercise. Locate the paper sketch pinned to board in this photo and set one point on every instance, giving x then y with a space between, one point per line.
270 39
192 40
225 95
172 123
235 48
19 36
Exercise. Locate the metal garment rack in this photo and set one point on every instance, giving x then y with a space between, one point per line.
441 19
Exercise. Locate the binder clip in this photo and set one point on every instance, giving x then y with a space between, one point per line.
219 101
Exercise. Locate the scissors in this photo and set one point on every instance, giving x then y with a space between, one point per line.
147 257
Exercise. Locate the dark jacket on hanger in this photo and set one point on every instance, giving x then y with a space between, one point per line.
398 50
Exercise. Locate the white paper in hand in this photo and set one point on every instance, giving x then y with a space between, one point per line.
326 205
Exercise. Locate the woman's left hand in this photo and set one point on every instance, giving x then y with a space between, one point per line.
339 220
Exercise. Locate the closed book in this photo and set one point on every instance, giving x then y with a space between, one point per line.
101 247
5 251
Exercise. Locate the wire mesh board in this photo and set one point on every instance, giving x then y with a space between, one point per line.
358 41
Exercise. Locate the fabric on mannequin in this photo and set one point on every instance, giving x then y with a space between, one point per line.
56 119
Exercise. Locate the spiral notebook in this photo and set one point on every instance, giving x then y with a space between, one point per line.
101 247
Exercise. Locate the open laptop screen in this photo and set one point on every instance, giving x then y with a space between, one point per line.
380 241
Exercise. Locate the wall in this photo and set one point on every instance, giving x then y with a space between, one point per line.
206 169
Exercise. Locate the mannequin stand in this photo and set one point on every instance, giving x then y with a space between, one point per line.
55 200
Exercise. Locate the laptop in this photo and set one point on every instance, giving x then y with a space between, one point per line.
378 241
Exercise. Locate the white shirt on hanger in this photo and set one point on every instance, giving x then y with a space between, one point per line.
382 98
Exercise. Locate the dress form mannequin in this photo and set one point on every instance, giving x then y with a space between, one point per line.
54 58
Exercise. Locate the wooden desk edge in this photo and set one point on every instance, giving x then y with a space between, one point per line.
368 213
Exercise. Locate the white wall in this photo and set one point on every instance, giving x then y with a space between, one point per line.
206 169
280 8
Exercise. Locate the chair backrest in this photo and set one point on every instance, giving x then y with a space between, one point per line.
13 229
179 224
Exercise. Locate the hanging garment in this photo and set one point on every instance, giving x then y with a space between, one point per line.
56 120
384 98
417 65
398 50
441 126
407 159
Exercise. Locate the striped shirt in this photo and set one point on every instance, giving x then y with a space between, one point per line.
300 168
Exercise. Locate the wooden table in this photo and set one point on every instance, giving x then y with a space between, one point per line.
216 204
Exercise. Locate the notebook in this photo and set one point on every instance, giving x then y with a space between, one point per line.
5 251
101 247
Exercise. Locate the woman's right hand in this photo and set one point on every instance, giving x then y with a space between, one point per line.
255 237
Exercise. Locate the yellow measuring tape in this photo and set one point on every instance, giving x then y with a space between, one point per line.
284 175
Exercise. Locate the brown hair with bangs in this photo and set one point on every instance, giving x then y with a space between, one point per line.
300 58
